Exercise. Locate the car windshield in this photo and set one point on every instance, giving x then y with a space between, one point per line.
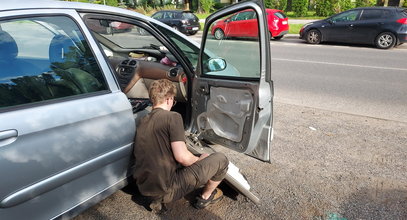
190 51
122 34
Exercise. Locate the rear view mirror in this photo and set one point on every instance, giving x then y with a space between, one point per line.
216 64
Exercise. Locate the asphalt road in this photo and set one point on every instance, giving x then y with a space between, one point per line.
355 79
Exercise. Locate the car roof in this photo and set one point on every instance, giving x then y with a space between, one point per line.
54 4
378 7
79 6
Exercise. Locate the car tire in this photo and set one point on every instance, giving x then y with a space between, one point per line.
278 37
193 32
219 34
385 40
313 36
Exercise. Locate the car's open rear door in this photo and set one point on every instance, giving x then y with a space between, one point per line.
232 92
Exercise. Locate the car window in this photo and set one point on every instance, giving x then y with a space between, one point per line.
158 15
346 16
244 16
371 14
280 15
57 64
168 15
241 52
177 15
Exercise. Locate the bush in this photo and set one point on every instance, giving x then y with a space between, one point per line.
207 5
405 4
276 4
300 7
219 5
346 5
365 3
324 8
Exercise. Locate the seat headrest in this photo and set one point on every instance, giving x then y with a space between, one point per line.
8 47
63 53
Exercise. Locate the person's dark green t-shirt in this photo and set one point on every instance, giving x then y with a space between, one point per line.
155 164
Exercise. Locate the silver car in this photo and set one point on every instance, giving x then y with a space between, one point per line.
73 83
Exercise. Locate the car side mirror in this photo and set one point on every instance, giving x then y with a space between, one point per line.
227 20
330 21
216 64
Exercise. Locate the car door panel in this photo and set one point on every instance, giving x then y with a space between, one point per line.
233 107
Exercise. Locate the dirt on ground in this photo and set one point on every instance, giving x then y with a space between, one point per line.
325 165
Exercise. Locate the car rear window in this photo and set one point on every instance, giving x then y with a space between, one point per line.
280 15
188 15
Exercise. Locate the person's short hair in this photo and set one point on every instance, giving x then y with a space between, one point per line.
160 90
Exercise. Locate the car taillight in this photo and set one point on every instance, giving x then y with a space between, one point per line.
402 21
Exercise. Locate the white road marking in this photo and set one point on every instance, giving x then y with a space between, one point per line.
340 64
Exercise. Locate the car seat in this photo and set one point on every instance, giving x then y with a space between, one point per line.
8 54
67 61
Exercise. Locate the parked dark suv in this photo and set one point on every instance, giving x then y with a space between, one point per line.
384 27
183 21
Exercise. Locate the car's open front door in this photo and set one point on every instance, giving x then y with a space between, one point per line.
232 91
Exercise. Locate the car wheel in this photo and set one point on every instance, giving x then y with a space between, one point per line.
314 37
219 35
385 40
193 32
278 37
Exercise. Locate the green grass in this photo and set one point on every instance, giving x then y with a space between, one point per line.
310 15
202 16
295 28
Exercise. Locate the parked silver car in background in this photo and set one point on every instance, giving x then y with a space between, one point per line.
73 84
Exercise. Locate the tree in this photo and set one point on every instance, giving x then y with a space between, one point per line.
207 5
365 3
323 8
276 4
300 7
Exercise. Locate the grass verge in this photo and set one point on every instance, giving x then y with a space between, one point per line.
295 28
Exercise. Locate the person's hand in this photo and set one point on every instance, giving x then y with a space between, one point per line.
203 156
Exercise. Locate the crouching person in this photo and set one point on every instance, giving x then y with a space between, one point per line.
165 170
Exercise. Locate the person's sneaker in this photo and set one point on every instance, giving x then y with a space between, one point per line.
158 207
215 197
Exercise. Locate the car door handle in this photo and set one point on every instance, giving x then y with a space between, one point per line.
8 137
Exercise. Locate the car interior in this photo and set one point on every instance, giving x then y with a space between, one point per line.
138 59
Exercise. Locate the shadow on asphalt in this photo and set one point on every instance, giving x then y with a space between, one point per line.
174 206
